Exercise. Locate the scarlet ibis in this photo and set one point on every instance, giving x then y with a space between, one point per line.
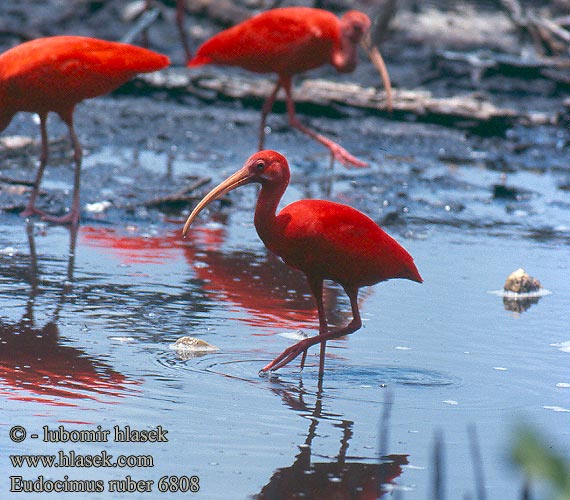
323 239
291 40
55 74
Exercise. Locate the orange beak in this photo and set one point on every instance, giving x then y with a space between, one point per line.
378 62
241 177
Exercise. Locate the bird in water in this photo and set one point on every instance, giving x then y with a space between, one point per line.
55 74
323 239
292 40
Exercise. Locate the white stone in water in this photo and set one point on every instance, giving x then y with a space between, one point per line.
98 207
562 346
16 141
193 344
520 281
298 335
133 10
557 409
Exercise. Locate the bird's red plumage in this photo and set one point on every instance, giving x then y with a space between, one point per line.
339 243
286 41
55 73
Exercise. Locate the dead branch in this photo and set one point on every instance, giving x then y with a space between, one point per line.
484 62
549 36
465 111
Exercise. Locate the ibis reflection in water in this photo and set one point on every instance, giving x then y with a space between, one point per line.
341 477
35 365
269 295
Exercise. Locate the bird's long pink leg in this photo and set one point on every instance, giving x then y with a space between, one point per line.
265 110
337 151
72 217
180 13
44 155
292 352
316 285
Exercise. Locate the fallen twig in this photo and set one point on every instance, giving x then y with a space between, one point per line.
144 22
182 196
16 182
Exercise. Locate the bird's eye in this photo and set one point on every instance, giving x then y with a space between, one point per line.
260 165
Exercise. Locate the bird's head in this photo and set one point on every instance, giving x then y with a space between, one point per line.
354 25
355 30
265 167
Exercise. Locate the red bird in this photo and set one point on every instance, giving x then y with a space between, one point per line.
55 74
292 40
324 240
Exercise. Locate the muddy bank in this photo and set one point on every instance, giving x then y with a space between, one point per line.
187 131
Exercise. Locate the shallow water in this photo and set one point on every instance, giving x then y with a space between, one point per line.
87 322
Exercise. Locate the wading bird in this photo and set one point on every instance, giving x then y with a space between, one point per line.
324 240
291 40
55 74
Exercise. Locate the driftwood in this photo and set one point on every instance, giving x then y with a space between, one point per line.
549 36
484 62
466 111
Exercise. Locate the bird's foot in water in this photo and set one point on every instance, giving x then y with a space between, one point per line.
291 353
71 218
31 210
343 156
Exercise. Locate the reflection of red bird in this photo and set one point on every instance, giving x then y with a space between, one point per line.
36 366
289 41
274 297
132 248
55 74
352 480
323 239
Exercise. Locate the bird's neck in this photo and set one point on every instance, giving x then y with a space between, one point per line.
6 112
265 212
345 56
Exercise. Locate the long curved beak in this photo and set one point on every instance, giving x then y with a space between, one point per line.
380 65
234 181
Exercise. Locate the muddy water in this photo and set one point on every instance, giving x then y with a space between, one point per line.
87 321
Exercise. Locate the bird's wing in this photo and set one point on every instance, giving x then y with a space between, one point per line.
110 58
338 242
271 41
317 227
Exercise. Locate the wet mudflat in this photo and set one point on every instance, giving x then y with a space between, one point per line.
88 319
